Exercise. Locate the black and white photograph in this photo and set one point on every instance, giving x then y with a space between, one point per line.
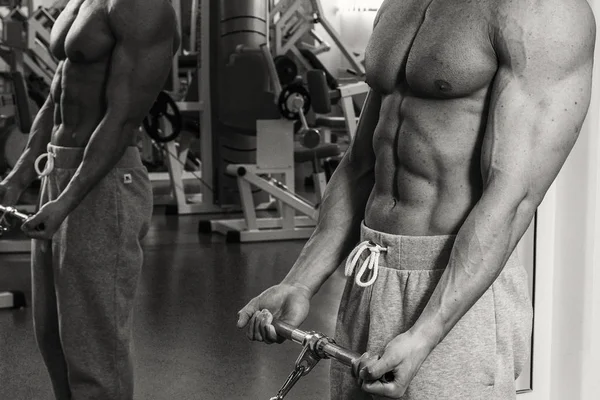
299 200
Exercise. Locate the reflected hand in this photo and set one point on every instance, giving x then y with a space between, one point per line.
44 224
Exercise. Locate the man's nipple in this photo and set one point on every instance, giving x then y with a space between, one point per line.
443 86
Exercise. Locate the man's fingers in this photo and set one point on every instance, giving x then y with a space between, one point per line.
379 388
266 329
272 335
250 327
34 228
244 315
376 368
361 363
31 224
371 373
257 322
358 365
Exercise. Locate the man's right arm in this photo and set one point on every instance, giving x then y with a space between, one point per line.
343 207
23 174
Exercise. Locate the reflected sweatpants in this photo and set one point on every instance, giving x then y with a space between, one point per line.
481 356
85 279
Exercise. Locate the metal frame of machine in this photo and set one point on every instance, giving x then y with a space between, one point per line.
292 20
346 94
176 154
275 157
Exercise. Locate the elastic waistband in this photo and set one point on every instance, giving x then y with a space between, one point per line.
71 157
415 252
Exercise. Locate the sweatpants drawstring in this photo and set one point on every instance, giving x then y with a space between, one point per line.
370 263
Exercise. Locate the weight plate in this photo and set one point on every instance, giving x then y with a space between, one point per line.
284 100
163 111
287 70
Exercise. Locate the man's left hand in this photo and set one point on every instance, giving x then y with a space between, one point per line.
403 356
46 222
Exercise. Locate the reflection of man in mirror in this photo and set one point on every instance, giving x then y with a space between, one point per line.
115 57
474 108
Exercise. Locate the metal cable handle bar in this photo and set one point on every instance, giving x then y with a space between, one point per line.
323 346
12 212
316 347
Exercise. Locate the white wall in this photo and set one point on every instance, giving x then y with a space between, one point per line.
353 27
330 59
574 354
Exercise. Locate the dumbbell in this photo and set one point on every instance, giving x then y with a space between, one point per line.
294 102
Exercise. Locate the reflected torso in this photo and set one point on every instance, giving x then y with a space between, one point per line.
81 39
433 64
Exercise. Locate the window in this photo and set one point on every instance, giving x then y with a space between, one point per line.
360 5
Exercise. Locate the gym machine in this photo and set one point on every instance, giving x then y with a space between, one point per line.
275 158
170 114
272 172
292 21
323 98
196 112
28 37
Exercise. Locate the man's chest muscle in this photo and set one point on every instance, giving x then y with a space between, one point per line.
81 32
437 49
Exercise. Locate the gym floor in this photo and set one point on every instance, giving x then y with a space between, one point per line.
186 343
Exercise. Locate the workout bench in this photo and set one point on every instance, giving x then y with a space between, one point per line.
274 174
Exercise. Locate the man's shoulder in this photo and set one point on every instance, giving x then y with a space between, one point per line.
561 31
144 17
560 16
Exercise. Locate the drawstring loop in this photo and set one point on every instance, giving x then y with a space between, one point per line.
371 263
49 167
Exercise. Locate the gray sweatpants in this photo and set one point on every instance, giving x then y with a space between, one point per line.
85 278
478 360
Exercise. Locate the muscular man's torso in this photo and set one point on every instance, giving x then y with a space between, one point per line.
83 42
433 63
